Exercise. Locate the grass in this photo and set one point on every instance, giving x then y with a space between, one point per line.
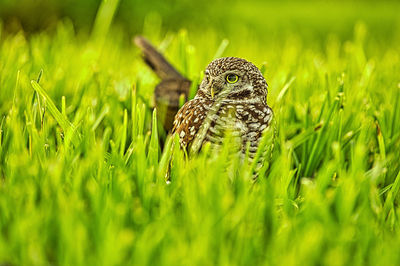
82 171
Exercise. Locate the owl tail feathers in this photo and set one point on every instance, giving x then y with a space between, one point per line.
173 89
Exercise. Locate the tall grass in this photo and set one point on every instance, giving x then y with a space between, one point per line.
82 171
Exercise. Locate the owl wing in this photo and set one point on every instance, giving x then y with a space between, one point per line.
257 118
188 121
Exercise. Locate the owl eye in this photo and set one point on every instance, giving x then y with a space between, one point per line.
232 78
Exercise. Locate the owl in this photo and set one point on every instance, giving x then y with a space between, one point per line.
232 97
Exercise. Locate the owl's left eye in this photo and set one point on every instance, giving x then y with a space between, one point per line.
232 78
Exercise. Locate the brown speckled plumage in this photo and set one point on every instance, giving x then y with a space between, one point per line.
240 108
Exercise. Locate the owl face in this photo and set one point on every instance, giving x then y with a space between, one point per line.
231 78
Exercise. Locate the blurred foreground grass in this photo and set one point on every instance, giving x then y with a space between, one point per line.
81 170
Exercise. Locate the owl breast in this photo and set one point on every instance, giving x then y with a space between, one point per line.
200 121
245 122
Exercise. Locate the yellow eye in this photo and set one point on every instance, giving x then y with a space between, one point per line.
232 78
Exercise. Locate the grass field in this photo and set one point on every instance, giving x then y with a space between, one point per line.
82 171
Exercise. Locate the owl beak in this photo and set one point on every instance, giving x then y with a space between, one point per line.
212 92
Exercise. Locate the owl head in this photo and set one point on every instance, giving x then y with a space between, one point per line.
233 78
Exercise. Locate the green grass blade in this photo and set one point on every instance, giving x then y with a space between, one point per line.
65 124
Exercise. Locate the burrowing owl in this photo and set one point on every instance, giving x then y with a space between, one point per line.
232 97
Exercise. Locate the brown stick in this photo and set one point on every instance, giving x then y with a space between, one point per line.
156 60
171 87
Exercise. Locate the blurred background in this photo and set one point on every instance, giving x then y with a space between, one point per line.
309 18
